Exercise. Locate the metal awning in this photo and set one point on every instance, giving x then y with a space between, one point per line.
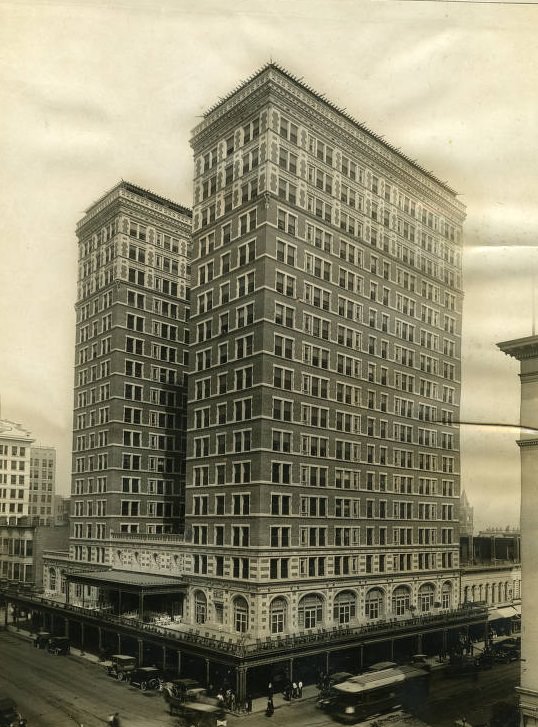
128 581
503 612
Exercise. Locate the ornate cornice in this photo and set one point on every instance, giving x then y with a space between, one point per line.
527 443
521 348
280 78
143 197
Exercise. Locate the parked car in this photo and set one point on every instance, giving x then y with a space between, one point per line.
59 645
184 689
512 641
145 677
505 653
119 665
41 639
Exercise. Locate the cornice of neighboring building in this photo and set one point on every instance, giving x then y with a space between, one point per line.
12 430
145 197
520 348
272 74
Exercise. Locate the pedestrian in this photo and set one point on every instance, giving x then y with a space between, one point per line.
300 688
220 699
270 708
287 692
270 690
294 690
232 701
248 703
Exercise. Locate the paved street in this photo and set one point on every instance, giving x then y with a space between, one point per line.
71 691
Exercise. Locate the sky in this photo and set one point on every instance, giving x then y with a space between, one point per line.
93 92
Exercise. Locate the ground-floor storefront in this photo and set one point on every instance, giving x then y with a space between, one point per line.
246 667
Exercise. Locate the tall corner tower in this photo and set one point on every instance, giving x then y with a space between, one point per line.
323 458
130 374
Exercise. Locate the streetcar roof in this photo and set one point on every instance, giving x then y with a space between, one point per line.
375 680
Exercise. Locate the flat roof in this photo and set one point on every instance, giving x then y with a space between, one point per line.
142 192
126 578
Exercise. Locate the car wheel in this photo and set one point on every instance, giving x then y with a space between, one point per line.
120 676
143 686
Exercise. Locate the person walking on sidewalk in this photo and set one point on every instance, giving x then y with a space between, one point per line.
248 703
300 688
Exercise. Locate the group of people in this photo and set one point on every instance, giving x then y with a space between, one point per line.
227 699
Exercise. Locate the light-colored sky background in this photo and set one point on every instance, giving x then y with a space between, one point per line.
91 92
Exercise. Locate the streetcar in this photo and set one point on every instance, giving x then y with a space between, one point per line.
378 692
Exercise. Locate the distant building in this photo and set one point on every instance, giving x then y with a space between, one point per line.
15 444
466 515
21 549
42 485
490 548
62 508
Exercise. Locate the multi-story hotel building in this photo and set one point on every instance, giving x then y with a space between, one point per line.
324 387
42 485
15 443
131 358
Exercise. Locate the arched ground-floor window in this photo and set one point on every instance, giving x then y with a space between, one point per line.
277 615
374 605
401 600
446 595
200 607
426 596
241 615
310 611
344 607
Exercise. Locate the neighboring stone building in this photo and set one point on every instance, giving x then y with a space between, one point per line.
22 546
15 443
525 350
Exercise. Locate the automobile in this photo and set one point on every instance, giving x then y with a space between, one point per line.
184 689
145 677
58 645
503 652
199 714
9 714
512 641
119 665
41 639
